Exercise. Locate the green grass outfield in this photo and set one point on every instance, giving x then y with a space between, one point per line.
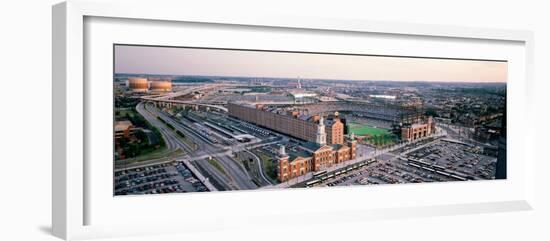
360 129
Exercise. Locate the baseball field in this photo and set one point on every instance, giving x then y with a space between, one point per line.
362 130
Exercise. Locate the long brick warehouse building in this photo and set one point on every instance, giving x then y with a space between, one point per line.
325 147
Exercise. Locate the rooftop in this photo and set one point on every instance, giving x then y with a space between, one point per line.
292 155
311 146
122 125
416 125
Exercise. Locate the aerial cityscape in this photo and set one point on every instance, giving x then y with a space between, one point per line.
206 120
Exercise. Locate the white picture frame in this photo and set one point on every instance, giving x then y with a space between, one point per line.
72 191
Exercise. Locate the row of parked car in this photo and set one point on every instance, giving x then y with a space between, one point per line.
172 177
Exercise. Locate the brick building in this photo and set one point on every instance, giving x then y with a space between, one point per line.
289 123
314 158
335 131
325 147
422 128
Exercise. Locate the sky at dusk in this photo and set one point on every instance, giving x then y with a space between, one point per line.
214 62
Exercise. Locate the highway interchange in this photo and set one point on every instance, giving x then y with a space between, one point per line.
236 179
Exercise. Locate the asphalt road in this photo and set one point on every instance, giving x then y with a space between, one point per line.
236 178
170 143
172 139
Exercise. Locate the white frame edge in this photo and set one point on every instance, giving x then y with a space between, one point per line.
67 120
68 104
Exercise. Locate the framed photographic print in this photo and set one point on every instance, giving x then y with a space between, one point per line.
172 121
206 119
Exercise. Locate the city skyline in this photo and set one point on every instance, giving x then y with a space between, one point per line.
266 64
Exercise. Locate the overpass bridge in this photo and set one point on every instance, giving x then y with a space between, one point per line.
162 102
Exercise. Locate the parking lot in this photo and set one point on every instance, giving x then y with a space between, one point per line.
442 160
172 177
457 157
385 172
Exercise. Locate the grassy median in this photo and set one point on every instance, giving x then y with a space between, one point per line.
217 165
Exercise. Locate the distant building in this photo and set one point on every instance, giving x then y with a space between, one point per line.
235 90
387 97
138 84
160 85
326 98
152 84
123 129
302 96
422 128
124 132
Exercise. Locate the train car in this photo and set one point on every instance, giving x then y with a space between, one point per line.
458 177
444 173
438 167
311 183
413 165
320 173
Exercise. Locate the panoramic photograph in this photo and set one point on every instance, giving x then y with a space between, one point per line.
192 119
